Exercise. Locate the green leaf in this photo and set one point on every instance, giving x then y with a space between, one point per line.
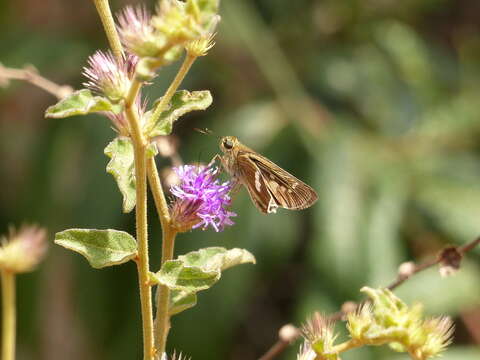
182 102
217 258
122 167
179 276
180 301
197 271
100 247
81 102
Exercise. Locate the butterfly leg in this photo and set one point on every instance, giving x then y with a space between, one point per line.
236 186
215 158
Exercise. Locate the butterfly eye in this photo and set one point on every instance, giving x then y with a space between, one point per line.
227 144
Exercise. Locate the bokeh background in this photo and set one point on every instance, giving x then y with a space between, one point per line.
372 102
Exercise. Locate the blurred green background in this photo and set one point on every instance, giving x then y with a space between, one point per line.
372 102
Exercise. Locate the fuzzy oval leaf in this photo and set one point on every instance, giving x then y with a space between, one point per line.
81 102
190 279
181 301
122 168
100 247
199 270
182 102
217 258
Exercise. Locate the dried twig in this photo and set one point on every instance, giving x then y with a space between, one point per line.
287 334
31 75
449 260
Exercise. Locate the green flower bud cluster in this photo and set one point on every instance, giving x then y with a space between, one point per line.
177 25
384 319
389 320
181 22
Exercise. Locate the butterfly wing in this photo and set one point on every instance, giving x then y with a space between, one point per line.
270 186
254 181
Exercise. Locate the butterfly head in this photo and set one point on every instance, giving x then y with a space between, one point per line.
227 143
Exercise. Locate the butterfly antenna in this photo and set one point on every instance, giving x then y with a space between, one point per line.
206 132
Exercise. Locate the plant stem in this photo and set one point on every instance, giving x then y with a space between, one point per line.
8 315
31 75
414 356
103 9
186 65
162 319
140 146
347 345
158 195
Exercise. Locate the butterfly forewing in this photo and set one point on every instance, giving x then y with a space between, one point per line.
270 186
252 178
290 192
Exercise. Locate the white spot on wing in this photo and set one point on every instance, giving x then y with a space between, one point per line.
258 184
272 206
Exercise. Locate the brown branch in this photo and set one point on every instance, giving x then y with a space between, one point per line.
449 260
31 75
287 334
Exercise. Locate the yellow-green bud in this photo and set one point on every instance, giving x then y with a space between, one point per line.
200 47
320 334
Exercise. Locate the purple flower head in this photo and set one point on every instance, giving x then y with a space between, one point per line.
108 76
201 199
137 34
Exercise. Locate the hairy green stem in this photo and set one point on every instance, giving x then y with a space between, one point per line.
186 65
162 319
8 315
140 147
158 194
347 345
103 9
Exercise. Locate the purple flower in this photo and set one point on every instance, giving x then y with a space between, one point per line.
108 76
201 199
